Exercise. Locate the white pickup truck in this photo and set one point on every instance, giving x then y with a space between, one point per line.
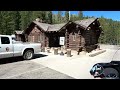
11 48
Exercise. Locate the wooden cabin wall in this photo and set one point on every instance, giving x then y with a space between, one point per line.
86 38
46 40
73 38
18 37
74 41
91 38
36 35
33 36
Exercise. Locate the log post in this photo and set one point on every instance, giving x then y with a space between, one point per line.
48 50
62 51
68 52
43 50
55 51
83 51
98 47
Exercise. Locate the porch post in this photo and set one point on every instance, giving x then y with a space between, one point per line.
79 46
66 39
79 33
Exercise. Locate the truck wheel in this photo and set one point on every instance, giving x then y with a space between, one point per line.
28 55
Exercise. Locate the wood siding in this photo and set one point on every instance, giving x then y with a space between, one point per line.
37 36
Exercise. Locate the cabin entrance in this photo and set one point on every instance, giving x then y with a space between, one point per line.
54 40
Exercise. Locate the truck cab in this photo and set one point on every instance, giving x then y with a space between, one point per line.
6 47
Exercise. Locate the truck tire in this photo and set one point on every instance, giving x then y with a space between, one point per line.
28 54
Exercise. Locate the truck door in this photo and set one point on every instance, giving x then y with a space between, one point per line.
6 48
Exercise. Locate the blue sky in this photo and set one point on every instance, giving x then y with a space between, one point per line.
115 15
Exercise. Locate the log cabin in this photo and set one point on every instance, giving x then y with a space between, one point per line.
78 35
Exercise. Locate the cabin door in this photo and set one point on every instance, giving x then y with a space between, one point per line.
54 41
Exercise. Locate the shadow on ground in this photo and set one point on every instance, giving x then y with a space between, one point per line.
16 59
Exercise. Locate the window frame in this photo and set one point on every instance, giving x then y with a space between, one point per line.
4 37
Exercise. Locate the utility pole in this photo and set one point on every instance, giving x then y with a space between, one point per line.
69 15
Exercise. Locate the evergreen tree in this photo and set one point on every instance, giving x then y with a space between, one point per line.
25 19
0 22
74 17
67 16
7 22
43 16
36 14
49 17
80 15
17 20
54 19
59 16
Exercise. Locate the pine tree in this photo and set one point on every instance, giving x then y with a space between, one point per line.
7 22
59 16
0 22
25 19
80 15
49 17
17 20
43 16
36 14
54 19
67 16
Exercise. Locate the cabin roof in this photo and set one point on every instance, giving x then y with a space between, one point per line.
19 32
86 22
44 26
49 27
56 27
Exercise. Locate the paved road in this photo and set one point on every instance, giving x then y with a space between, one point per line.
49 66
16 68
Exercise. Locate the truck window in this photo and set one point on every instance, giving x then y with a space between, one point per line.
5 40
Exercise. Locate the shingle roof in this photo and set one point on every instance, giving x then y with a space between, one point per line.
19 32
49 27
86 22
56 27
44 26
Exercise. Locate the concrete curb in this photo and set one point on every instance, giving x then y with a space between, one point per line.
96 53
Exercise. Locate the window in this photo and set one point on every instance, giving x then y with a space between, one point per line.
5 40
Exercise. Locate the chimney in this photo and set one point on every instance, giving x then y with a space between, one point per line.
38 19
